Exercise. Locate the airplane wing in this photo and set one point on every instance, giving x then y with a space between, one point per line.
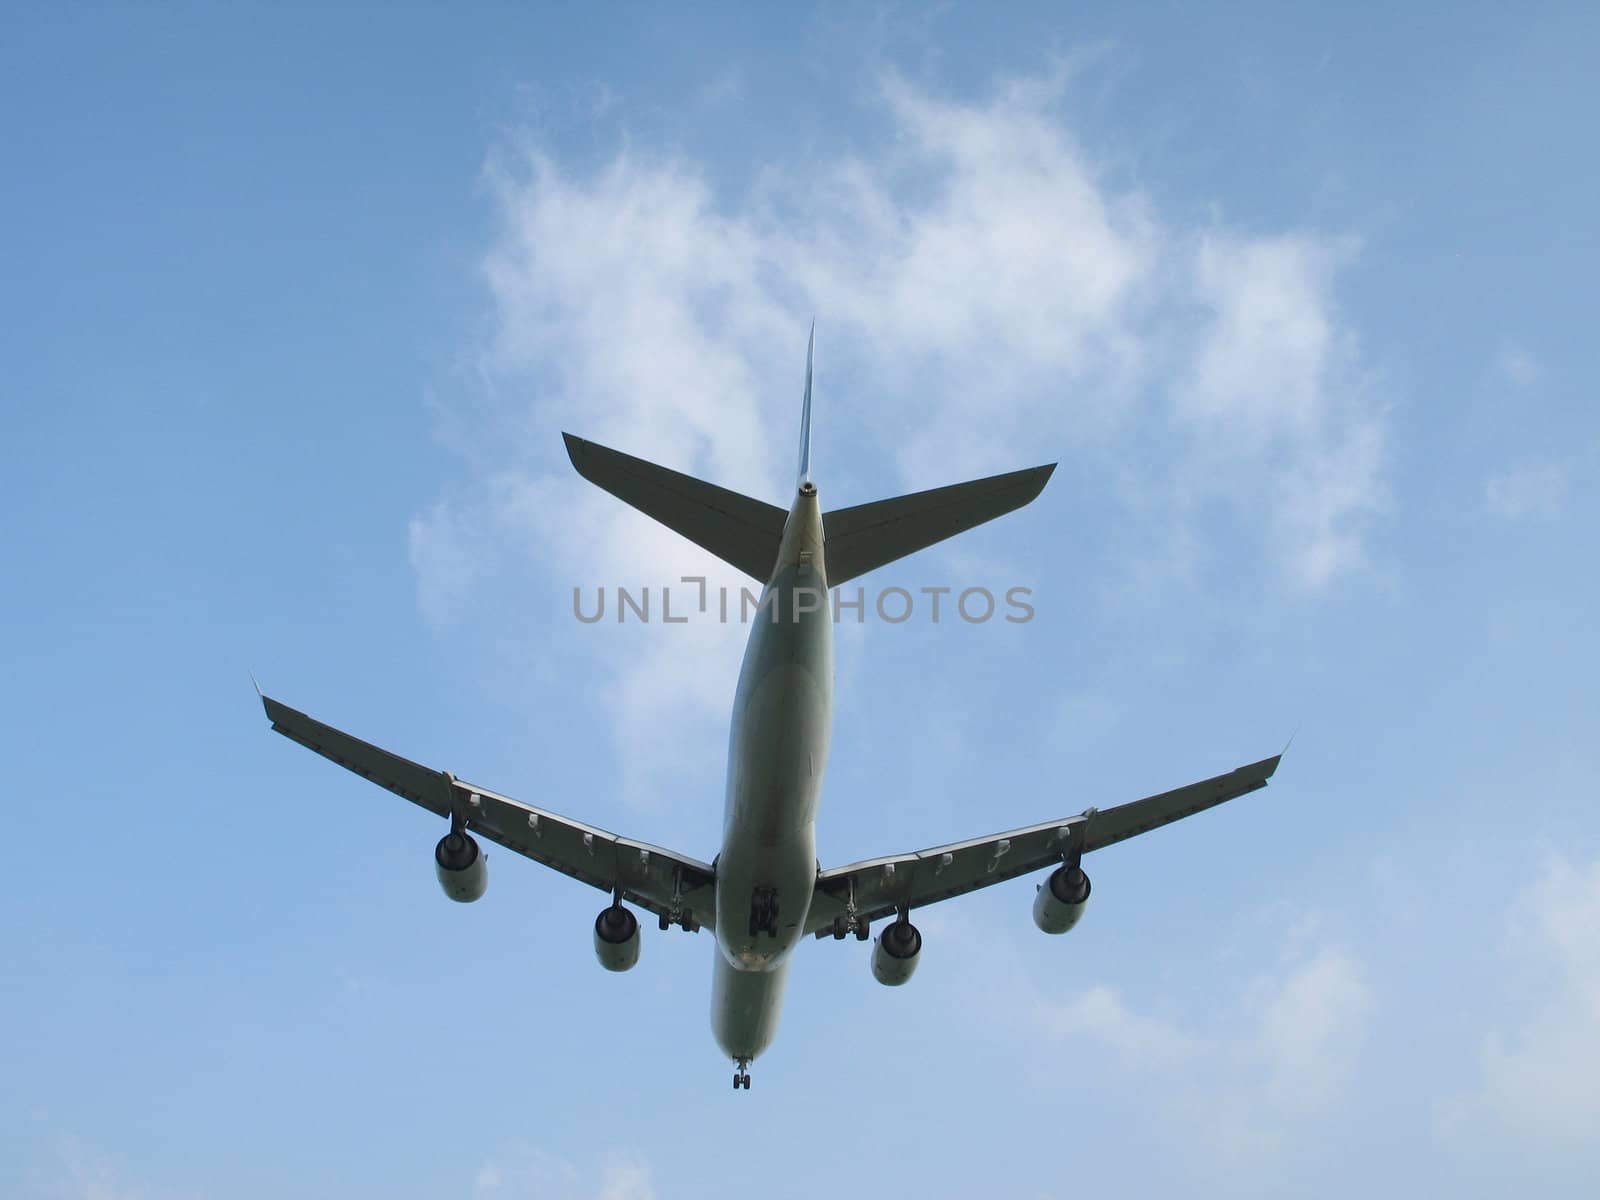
878 887
675 887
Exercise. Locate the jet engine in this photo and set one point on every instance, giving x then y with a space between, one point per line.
460 866
1060 900
616 938
894 954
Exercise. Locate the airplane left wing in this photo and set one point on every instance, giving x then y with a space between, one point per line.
878 887
677 888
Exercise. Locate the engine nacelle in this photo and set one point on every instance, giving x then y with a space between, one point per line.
616 938
1061 899
460 866
894 954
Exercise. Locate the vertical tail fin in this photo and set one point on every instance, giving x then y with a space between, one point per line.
805 415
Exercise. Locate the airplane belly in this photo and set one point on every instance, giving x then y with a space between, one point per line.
781 876
778 759
767 869
745 1007
777 752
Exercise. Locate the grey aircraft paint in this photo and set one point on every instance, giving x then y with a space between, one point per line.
777 752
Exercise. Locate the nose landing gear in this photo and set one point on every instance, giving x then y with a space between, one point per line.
741 1077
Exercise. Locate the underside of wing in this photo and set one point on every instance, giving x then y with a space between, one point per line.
1113 825
875 888
674 886
421 785
671 885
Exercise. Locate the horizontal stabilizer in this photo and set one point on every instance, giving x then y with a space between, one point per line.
740 531
866 537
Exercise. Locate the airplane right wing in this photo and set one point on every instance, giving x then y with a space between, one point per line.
877 887
678 889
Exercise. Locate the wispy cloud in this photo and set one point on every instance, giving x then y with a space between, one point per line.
978 275
1273 407
529 1173
78 1171
1517 367
1528 490
1538 1074
1288 1054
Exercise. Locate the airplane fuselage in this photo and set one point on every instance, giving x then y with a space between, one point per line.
777 751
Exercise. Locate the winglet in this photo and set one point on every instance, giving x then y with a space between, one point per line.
805 414
257 686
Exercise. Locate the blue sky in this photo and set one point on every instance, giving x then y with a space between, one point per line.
294 310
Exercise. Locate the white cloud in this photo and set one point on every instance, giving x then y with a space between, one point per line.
1311 1022
626 1181
1100 1015
989 244
78 1171
1286 1055
1529 490
1538 1077
525 1173
978 277
1280 420
1270 338
1517 367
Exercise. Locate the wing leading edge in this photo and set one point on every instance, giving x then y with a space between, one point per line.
878 887
671 885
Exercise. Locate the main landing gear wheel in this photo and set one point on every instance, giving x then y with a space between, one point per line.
764 911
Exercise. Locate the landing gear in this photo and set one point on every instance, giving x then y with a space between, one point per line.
851 921
844 926
764 911
741 1077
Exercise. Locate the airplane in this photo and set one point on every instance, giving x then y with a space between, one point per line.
765 891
